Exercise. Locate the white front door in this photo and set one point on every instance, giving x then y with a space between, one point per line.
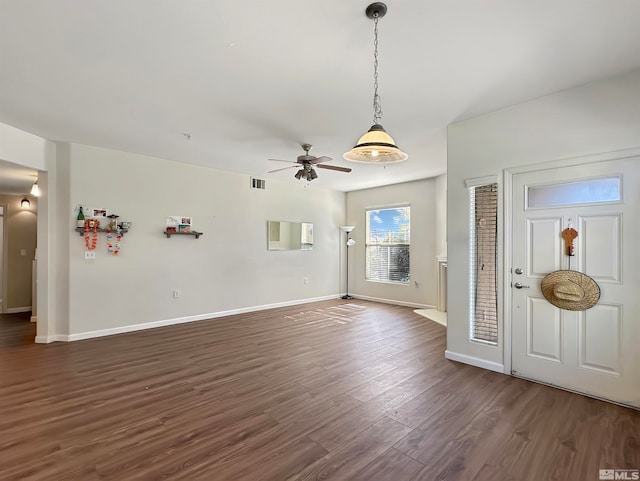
595 351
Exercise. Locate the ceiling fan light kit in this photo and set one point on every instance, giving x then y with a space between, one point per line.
307 163
376 146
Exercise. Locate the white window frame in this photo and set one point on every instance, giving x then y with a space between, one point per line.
368 244
471 185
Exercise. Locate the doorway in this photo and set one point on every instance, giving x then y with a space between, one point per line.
592 351
2 259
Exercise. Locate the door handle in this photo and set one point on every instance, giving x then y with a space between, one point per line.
518 285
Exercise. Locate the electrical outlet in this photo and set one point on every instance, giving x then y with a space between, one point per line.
177 294
89 255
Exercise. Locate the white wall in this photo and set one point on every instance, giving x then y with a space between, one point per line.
228 268
599 117
23 148
421 196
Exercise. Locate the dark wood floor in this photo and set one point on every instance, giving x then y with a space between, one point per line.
336 390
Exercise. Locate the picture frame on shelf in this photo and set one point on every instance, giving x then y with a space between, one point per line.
99 212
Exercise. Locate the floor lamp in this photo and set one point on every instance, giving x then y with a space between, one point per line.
347 229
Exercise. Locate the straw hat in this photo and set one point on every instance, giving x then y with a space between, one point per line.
570 290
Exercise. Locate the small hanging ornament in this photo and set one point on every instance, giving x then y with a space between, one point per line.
113 248
569 234
91 234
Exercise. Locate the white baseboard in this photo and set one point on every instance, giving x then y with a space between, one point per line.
434 315
50 339
179 320
16 310
474 361
393 301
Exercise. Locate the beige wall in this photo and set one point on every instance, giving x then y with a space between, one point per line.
441 216
227 269
20 233
421 195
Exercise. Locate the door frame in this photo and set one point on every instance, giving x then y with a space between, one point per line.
5 259
508 228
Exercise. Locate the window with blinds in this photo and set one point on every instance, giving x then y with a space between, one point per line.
483 230
387 244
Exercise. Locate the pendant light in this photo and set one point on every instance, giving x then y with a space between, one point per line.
35 190
376 146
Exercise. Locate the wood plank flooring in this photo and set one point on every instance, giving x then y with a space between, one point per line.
335 390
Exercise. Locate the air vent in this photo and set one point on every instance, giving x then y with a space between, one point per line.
258 183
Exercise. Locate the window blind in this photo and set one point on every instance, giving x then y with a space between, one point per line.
388 244
483 229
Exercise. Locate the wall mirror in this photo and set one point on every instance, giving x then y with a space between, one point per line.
289 236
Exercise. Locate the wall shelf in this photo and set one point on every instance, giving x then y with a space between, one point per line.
80 230
192 233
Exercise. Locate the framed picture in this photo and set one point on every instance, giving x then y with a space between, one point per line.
184 228
95 212
176 220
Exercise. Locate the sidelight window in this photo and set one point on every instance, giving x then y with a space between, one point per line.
483 230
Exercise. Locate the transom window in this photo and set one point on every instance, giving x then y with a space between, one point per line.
387 244
573 193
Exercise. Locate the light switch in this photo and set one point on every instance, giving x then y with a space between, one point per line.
89 255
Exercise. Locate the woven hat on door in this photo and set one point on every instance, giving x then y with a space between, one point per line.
570 290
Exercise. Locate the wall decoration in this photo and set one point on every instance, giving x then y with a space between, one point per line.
174 220
91 234
113 248
179 224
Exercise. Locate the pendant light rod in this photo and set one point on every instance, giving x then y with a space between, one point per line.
375 11
377 108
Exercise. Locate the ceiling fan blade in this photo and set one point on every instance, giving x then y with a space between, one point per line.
280 160
334 167
317 160
278 170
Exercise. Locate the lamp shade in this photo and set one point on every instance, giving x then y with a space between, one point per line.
347 228
25 203
35 190
376 147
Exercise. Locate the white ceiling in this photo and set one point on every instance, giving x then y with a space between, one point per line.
251 80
